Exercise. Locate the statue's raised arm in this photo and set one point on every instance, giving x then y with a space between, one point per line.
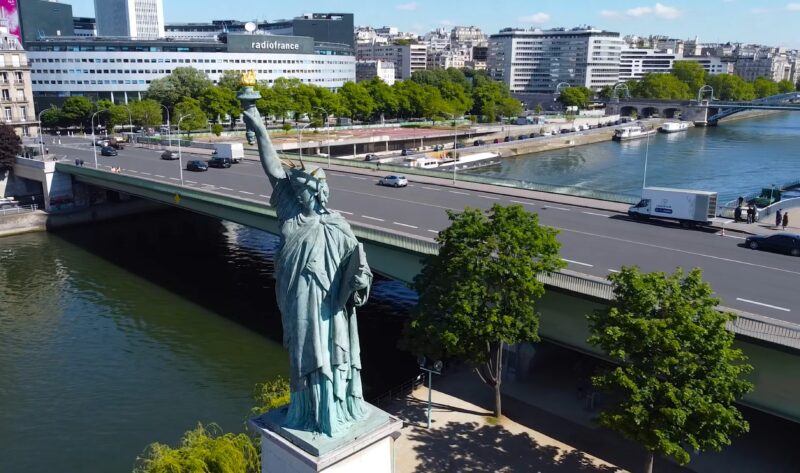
269 157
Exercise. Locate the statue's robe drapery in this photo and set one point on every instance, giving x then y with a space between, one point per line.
322 276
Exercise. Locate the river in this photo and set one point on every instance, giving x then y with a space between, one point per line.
121 334
734 158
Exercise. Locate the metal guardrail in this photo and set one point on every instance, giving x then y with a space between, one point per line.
398 392
22 209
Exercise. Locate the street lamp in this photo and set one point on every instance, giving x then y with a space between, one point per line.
300 139
130 118
180 160
169 128
327 134
41 137
435 368
455 146
94 143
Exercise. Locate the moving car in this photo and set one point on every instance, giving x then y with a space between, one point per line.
196 165
101 142
393 181
371 157
108 151
479 142
788 243
220 162
170 155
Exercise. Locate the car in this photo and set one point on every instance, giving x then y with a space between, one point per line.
479 142
218 162
196 165
170 155
393 181
405 152
371 157
496 140
460 145
788 243
101 143
108 151
508 138
522 137
532 135
438 147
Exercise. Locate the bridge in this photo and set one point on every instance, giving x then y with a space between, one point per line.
397 227
701 112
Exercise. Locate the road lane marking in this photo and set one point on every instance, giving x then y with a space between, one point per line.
146 173
245 192
578 263
488 197
174 179
520 202
692 253
193 182
556 208
226 188
131 170
596 214
342 212
431 188
373 218
405 225
159 175
763 305
613 271
731 236
457 192
359 178
264 196
434 231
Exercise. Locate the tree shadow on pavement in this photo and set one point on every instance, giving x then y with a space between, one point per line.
415 411
472 447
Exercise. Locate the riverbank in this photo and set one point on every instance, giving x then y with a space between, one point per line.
18 224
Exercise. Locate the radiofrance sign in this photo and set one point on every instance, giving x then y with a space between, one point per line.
248 43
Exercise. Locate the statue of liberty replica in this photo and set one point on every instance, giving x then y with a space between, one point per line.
322 277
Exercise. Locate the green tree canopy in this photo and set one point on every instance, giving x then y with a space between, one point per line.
9 147
53 117
690 73
183 82
77 111
218 102
786 86
230 80
276 100
764 87
386 102
478 294
662 86
731 87
356 100
576 97
194 118
679 374
147 113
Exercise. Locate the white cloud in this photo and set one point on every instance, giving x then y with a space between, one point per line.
535 18
609 13
659 9
793 6
407 6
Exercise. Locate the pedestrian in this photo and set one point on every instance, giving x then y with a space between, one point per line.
737 214
47 151
785 220
778 218
77 162
81 163
751 214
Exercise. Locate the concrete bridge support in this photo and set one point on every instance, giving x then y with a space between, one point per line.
55 185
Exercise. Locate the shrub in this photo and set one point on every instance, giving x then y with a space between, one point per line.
216 128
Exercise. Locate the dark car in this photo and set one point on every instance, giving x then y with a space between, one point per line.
788 243
108 151
533 135
460 145
405 152
496 140
508 138
479 142
196 165
167 154
371 157
522 137
217 162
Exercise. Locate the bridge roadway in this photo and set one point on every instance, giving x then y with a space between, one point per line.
595 242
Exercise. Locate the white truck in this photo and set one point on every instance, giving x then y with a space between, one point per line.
234 151
688 207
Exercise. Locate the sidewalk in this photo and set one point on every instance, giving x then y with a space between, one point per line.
766 226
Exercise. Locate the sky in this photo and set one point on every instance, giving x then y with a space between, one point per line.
770 22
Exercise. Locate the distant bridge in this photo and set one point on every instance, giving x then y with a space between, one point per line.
701 112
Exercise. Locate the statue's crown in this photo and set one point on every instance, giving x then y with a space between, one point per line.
248 79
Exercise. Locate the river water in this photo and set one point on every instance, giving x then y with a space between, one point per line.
733 159
126 333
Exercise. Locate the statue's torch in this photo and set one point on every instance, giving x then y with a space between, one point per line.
248 96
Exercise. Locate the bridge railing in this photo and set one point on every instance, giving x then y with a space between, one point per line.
22 209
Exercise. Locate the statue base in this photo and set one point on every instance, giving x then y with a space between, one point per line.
368 446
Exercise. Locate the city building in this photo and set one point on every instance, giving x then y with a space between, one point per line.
122 69
366 70
84 26
130 18
635 63
536 61
468 35
39 18
407 58
16 97
323 27
770 65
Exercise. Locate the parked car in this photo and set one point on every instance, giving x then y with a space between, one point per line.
788 243
460 145
438 147
532 135
371 157
219 162
405 152
393 181
496 140
508 138
8 205
101 142
196 165
170 155
479 142
522 137
108 151
116 143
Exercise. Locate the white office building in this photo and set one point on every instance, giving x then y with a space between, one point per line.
635 63
122 70
366 70
130 18
537 61
407 58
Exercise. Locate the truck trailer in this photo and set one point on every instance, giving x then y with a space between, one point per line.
690 208
233 151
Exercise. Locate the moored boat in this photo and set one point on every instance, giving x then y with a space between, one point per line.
632 133
673 127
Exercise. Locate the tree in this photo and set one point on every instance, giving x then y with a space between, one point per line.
678 373
275 101
9 147
731 87
764 87
77 111
386 103
575 97
52 117
218 102
538 109
606 92
786 86
690 73
193 116
271 395
181 83
477 295
662 86
146 113
356 100
230 80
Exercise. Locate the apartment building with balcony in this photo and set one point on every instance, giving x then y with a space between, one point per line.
16 97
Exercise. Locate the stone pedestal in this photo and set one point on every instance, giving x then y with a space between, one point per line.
368 447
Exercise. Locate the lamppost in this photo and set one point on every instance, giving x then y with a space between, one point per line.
327 134
180 160
94 143
169 128
41 137
435 368
130 118
300 139
455 146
